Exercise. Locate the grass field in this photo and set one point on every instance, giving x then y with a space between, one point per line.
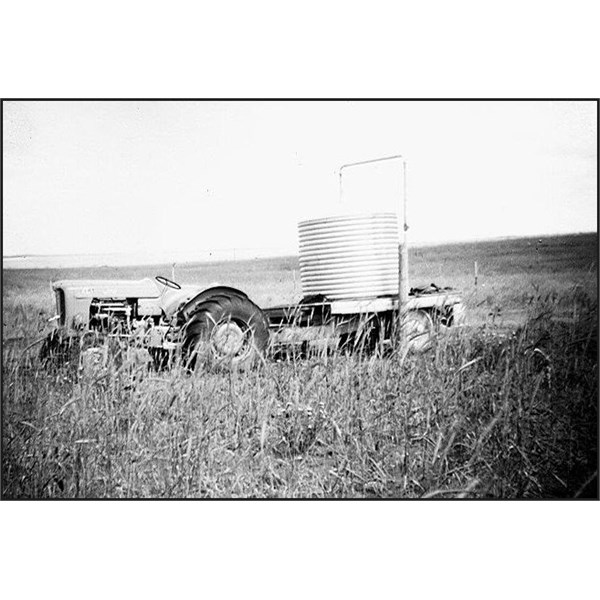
504 408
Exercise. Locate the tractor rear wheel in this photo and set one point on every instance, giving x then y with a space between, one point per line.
227 331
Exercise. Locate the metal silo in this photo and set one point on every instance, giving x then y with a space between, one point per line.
350 256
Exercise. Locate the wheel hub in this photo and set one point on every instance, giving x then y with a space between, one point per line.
229 339
417 329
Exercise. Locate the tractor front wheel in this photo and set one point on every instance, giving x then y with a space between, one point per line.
58 349
418 329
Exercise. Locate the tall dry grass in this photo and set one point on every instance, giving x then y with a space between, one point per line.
486 413
506 408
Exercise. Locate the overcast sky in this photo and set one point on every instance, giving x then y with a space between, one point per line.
174 178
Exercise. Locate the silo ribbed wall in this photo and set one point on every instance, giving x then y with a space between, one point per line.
354 256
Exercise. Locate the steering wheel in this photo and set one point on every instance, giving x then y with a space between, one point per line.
167 282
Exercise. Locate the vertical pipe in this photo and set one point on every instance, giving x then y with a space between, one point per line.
402 244
403 265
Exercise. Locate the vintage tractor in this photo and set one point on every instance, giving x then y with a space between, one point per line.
160 316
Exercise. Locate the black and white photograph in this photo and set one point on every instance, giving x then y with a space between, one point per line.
272 299
299 300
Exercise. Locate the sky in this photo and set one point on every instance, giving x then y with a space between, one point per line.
176 179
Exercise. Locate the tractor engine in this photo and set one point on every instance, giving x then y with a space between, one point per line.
112 315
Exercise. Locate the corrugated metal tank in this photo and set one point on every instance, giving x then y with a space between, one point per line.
351 256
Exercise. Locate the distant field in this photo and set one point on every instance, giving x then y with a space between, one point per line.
510 274
505 408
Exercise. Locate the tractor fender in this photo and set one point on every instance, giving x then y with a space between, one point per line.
189 308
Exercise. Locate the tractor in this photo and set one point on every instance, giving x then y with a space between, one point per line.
158 316
360 260
222 325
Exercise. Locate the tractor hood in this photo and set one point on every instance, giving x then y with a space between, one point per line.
143 289
110 288
152 297
78 293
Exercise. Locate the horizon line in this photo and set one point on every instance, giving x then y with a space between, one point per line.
249 248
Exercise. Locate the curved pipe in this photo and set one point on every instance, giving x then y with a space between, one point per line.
364 162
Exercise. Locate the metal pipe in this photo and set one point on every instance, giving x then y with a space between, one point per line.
364 162
402 244
403 269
